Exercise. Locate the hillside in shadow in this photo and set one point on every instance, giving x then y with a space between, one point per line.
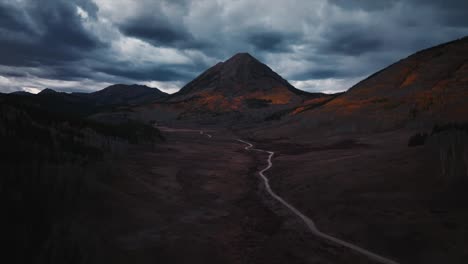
50 163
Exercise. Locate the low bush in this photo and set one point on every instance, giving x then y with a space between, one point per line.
417 139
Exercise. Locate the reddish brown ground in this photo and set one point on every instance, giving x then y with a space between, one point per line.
425 88
375 191
197 200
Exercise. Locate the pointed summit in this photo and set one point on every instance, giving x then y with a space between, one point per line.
243 67
241 57
241 87
244 55
48 91
239 75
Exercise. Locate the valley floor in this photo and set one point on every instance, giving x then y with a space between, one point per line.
375 191
198 199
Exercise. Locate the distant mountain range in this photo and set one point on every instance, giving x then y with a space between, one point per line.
114 96
121 94
426 87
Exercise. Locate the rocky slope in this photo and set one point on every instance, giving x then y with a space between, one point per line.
429 87
239 89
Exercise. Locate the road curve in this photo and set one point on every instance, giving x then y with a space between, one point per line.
206 134
309 223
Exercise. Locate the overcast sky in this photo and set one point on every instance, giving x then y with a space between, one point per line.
318 45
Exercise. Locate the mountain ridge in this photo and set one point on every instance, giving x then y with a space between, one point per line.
83 104
127 94
241 69
240 89
426 88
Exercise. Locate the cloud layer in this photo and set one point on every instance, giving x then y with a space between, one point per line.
85 45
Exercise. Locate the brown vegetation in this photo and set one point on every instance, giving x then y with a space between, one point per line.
49 163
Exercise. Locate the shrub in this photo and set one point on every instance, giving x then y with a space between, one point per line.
417 139
450 126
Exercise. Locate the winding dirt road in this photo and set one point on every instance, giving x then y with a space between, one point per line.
309 223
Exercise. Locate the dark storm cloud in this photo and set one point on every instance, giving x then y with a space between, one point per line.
48 40
167 41
146 74
270 41
319 74
444 4
159 32
368 5
445 12
65 72
43 33
50 37
161 27
10 18
454 14
351 42
13 74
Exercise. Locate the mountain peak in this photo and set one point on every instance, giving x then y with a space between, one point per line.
243 60
242 56
240 76
48 91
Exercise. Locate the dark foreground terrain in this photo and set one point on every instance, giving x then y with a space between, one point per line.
97 178
77 191
407 203
195 199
